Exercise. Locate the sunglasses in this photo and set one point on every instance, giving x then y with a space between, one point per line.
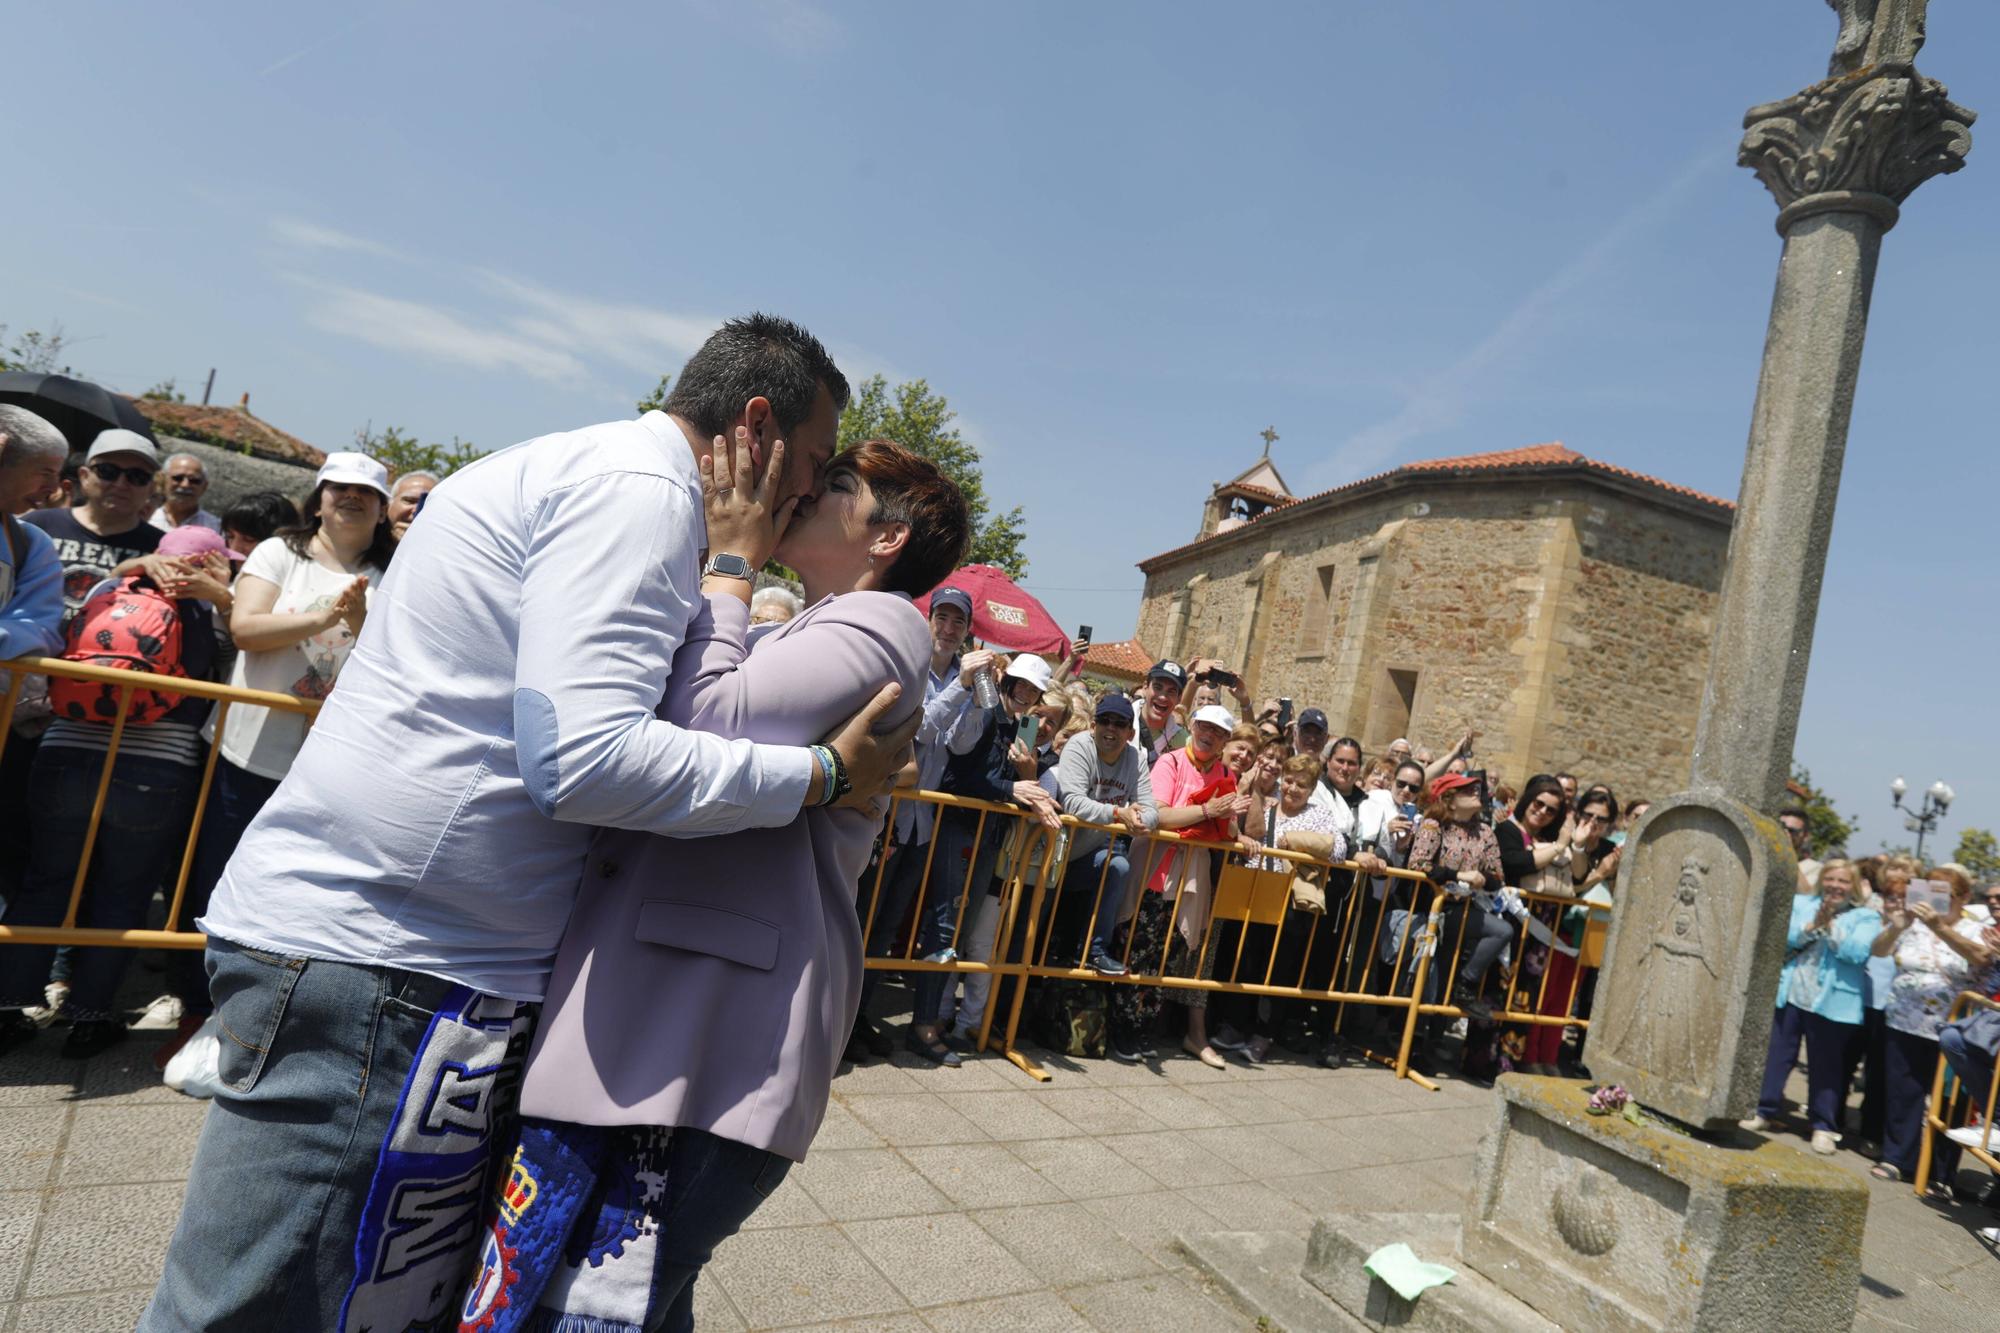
1548 807
1408 786
138 476
1113 720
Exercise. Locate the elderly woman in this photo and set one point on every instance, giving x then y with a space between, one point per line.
773 606
705 988
1246 1026
1820 1000
1938 954
1456 850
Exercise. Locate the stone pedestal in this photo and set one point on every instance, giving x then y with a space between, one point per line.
1602 1224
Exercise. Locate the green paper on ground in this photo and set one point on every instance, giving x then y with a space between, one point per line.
1407 1275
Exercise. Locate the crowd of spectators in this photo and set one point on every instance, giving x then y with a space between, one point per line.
269 595
113 560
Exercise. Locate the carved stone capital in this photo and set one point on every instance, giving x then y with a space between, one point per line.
1881 131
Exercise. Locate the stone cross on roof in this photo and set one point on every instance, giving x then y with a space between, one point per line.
1270 434
1876 32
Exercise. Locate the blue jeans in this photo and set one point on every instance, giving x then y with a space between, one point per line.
1109 898
233 801
145 812
315 1058
713 1185
937 922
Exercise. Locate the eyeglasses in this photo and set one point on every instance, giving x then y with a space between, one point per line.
1549 808
1407 786
138 476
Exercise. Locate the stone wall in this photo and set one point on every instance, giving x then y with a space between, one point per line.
1564 619
233 474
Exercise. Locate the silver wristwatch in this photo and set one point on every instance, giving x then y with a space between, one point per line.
729 567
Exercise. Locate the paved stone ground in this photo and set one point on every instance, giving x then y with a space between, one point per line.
934 1199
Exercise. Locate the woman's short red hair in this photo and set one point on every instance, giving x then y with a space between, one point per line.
909 488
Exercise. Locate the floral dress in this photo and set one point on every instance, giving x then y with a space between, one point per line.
1929 976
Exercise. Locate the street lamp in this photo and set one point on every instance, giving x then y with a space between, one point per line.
1923 820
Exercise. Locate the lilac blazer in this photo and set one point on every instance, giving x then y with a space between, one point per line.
711 982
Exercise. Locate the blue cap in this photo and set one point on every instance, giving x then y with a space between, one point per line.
1113 705
950 596
1312 717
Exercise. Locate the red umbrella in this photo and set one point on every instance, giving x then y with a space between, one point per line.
1005 616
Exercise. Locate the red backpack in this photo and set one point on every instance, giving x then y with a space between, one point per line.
129 624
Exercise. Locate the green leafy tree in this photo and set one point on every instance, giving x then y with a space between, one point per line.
401 452
1979 852
35 351
1827 830
656 401
918 419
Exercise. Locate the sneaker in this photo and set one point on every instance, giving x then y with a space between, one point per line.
90 1037
1825 1142
1123 1056
1229 1039
944 955
1149 1052
164 1012
1972 1136
880 1043
1105 965
183 1031
1332 1056
41 1015
1756 1124
1478 1007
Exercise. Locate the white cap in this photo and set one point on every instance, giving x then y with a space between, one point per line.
1032 669
121 441
1216 714
354 470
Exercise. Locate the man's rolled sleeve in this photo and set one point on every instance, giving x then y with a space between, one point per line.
609 581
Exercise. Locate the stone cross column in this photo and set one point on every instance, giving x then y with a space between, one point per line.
1698 935
1840 157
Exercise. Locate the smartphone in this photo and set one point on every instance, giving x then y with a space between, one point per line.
1936 892
1284 714
1083 632
1226 679
1029 726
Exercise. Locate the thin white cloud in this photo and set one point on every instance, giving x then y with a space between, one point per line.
313 236
1442 400
642 338
438 333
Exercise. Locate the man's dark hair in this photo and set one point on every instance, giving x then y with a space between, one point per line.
758 356
260 514
1796 812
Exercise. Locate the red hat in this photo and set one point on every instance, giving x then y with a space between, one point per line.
1446 783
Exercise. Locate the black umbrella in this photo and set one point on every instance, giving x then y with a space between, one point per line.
77 408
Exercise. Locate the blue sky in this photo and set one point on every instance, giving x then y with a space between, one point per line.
1122 238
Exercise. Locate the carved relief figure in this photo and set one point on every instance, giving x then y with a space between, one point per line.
1678 972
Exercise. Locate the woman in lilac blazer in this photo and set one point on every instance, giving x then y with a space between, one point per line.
707 986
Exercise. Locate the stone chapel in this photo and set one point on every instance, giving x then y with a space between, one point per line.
1559 604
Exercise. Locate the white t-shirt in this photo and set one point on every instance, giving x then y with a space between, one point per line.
258 739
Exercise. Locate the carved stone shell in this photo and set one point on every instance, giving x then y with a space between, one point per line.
1584 1215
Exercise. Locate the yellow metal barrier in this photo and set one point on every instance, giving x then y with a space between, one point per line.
19 670
1942 1109
1336 958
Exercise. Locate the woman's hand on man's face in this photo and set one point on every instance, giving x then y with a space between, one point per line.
741 502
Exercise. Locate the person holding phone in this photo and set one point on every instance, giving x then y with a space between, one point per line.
1938 954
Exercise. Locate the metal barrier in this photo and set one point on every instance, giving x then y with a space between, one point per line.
19 670
1950 1099
1343 957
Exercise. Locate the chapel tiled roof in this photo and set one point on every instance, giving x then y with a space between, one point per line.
1127 658
229 427
1536 456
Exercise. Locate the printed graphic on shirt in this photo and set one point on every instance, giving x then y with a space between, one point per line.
88 559
324 652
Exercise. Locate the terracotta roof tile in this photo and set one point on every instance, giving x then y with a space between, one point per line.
1128 657
1551 455
230 427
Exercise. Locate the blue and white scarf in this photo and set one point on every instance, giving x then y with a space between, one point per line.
573 1242
433 1175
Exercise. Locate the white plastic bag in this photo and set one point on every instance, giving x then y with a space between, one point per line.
196 1067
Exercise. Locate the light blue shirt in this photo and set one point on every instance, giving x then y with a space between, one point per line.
499 704
951 719
31 598
1827 974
